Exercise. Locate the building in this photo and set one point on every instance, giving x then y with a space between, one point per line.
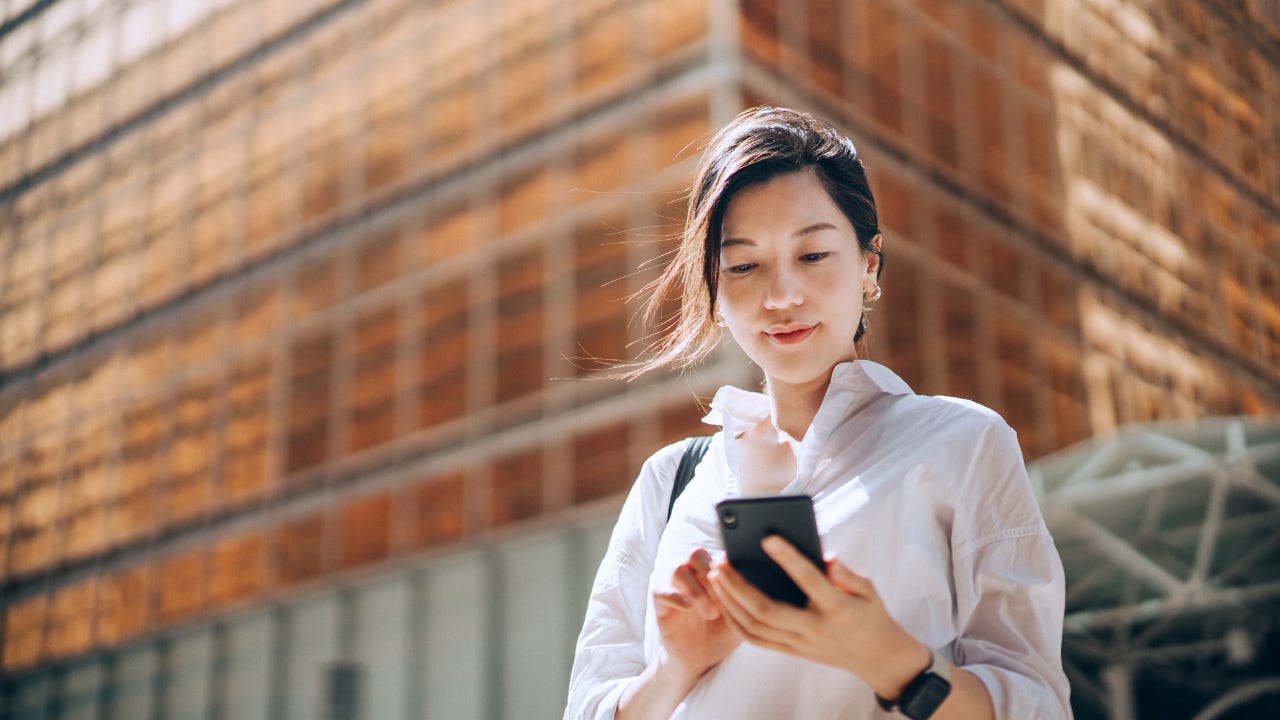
303 306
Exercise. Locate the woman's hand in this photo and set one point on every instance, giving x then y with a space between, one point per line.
695 638
844 625
694 631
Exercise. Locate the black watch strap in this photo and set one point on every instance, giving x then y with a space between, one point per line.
925 693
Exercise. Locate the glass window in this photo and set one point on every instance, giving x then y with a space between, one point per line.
179 15
138 30
536 643
588 552
93 6
456 640
55 18
311 646
190 670
383 647
17 44
31 697
249 676
15 97
132 682
81 689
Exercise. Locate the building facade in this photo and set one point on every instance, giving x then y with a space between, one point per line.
304 306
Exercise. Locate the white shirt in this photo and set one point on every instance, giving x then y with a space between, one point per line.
926 496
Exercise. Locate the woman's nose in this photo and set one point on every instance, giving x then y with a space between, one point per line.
785 289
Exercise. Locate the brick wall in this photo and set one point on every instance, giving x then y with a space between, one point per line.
289 297
303 308
1079 197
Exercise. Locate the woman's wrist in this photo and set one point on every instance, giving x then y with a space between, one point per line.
676 671
898 667
657 691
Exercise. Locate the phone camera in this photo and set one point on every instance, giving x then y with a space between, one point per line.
729 519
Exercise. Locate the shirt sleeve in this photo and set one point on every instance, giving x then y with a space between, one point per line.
1009 586
610 648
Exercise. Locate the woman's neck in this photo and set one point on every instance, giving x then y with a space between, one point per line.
792 407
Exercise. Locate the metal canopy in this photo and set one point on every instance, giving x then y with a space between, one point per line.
1170 538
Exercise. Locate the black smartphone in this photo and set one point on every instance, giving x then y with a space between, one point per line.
744 522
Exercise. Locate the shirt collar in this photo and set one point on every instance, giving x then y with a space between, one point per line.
743 408
853 383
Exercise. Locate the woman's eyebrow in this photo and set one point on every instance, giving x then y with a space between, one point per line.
806 230
810 229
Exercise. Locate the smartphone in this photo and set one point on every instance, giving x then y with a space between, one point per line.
744 522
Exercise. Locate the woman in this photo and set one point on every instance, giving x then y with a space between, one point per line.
942 594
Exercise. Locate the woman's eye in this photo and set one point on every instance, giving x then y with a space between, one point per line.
739 269
813 256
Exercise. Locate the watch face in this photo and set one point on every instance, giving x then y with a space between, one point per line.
924 696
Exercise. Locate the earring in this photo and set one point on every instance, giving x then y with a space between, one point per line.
719 319
872 296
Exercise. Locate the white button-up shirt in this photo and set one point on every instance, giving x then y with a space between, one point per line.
926 496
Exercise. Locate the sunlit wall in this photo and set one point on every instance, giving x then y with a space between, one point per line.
293 294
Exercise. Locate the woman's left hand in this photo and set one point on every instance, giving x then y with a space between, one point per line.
844 625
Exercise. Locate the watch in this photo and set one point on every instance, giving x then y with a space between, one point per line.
925 693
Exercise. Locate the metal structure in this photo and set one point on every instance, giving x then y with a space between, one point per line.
1170 537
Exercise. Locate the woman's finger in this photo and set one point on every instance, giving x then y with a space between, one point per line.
700 563
763 616
808 577
672 600
757 633
685 582
688 584
849 581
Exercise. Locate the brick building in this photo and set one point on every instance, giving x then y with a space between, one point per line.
303 306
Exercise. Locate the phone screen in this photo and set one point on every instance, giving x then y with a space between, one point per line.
744 522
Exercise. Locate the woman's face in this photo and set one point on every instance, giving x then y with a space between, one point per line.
792 278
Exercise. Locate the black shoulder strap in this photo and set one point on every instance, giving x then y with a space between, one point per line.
694 450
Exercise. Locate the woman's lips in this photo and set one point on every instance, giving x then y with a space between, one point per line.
787 336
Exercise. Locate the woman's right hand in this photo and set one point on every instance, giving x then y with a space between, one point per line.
694 631
695 638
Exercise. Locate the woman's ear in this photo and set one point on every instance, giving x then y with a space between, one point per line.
872 256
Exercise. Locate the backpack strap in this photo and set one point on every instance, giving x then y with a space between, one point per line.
694 450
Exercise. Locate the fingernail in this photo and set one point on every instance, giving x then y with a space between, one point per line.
773 542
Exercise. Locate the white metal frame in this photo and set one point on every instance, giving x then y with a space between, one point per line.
1203 599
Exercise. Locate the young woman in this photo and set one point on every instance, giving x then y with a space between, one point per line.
942 594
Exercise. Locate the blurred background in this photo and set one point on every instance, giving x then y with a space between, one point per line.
306 308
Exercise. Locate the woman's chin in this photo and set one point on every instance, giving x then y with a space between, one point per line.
807 373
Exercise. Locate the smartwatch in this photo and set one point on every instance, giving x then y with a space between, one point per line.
924 694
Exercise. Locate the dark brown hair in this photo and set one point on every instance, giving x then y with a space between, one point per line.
757 146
